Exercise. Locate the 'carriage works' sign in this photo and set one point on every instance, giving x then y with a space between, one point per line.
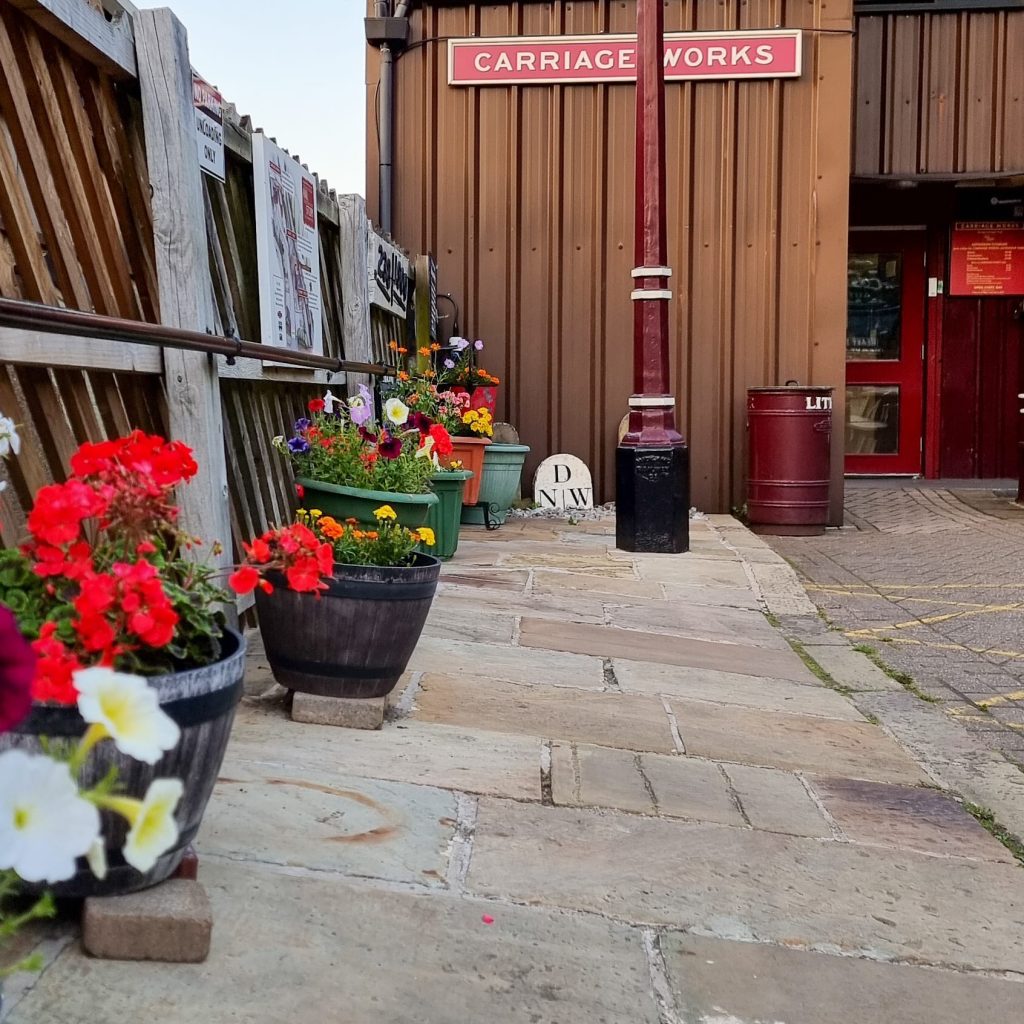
689 56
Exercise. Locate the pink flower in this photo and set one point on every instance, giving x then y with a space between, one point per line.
17 669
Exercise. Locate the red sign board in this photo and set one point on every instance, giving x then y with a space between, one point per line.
689 56
987 258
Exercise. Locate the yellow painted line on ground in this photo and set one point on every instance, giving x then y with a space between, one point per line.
1001 699
931 620
917 586
860 634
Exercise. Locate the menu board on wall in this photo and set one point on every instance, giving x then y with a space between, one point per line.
986 258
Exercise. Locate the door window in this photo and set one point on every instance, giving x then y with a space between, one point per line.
875 290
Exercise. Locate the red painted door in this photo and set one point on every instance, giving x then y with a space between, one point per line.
885 352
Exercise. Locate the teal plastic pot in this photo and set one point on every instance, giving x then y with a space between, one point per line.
443 518
356 503
499 484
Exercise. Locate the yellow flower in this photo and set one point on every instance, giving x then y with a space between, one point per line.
426 535
385 512
315 513
393 345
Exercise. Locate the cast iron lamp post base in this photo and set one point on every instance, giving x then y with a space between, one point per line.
652 498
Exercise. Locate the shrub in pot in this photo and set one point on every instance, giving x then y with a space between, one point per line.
130 646
345 629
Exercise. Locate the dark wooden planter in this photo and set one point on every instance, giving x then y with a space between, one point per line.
356 639
202 701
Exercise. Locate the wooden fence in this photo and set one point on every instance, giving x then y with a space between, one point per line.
103 209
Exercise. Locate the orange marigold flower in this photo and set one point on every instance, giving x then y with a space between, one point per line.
425 350
402 375
331 528
403 351
435 347
393 345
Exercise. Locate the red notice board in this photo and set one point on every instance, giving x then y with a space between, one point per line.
986 258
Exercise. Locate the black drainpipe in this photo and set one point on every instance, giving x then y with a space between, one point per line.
389 32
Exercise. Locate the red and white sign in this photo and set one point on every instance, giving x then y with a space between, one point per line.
689 56
987 258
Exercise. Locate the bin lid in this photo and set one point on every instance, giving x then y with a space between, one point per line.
786 389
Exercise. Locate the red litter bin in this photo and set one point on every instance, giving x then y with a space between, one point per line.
789 434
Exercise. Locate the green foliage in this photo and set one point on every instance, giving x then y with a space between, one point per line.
11 921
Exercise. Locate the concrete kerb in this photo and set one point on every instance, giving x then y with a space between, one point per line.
953 757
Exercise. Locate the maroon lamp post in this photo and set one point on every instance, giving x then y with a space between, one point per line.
652 464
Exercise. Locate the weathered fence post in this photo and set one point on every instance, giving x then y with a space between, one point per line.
183 272
354 230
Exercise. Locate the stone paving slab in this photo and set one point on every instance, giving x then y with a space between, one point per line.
719 982
290 950
563 604
908 818
721 624
776 801
753 886
322 821
587 776
688 788
612 642
556 583
458 621
851 668
808 697
471 761
513 664
723 597
692 570
604 719
856 750
513 580
595 564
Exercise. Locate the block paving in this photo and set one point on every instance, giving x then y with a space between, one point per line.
932 579
608 790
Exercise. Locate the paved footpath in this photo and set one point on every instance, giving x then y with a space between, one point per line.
933 581
611 793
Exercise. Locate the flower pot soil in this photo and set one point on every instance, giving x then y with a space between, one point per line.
503 467
202 701
470 452
444 516
354 639
357 503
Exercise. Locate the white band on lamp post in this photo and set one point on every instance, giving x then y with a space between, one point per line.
652 271
651 402
647 294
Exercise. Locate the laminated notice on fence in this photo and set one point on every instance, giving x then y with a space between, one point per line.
209 106
287 250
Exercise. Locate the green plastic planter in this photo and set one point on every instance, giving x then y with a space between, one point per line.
443 517
499 486
355 503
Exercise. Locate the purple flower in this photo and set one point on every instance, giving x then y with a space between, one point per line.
449 364
478 345
302 425
390 447
298 446
360 412
459 344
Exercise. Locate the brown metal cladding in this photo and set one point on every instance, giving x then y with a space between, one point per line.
940 93
525 195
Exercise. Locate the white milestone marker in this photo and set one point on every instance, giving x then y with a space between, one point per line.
563 481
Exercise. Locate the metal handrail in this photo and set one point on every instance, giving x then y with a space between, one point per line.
58 320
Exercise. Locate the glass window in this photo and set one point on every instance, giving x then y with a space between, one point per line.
872 419
874 290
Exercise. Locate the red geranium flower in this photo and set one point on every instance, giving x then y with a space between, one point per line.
59 510
442 439
244 580
54 669
316 405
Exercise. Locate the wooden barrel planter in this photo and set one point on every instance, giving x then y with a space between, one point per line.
202 701
357 637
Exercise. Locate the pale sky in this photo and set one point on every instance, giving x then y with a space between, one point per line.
297 68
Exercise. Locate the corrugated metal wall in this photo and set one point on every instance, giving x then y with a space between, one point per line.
525 195
940 93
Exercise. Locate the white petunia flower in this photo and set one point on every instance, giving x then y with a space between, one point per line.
9 440
44 822
396 411
154 830
329 401
128 710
